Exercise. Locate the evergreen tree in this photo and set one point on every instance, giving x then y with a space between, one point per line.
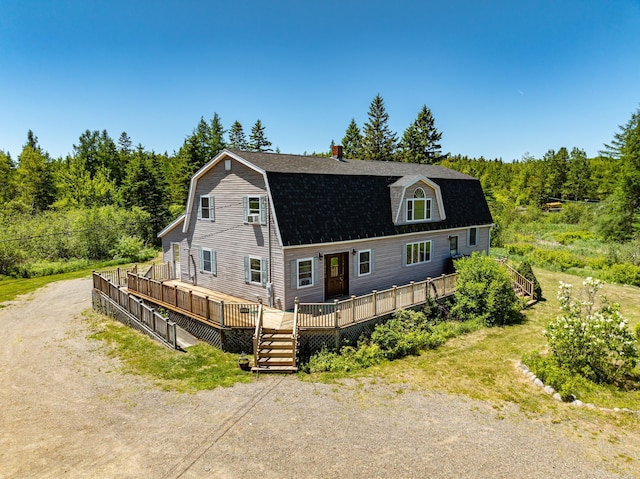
421 140
578 175
237 138
7 170
555 166
216 138
352 141
379 142
257 140
34 182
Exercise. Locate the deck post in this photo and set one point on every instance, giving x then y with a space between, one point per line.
375 302
206 307
427 287
413 292
353 308
336 316
444 285
394 288
190 301
118 273
175 295
222 313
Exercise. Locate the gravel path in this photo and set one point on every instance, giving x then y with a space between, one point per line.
65 411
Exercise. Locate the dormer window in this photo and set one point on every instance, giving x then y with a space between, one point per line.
418 207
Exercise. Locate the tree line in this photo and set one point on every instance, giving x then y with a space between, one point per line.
101 172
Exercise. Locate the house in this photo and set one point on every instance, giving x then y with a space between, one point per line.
275 227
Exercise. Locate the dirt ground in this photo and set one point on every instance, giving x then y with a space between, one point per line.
66 411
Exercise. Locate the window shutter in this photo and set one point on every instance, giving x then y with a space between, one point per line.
372 262
356 265
294 274
200 261
212 209
245 208
214 262
247 272
200 207
316 271
263 210
404 255
264 271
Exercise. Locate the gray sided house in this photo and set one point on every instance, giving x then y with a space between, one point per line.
277 227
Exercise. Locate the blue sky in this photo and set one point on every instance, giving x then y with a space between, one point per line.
502 78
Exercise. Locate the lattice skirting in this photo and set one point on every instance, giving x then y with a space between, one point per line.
107 306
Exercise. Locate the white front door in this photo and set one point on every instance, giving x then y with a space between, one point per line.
175 253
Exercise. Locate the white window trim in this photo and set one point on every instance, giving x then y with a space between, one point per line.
261 211
261 271
404 252
427 209
298 261
469 243
211 208
213 255
359 262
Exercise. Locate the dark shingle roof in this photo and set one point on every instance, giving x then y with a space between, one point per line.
313 207
276 162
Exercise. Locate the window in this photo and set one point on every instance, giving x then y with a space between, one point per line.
473 236
305 272
416 253
365 262
207 260
418 207
255 209
255 270
206 209
453 245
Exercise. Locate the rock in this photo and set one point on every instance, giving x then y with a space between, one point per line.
549 390
538 383
557 397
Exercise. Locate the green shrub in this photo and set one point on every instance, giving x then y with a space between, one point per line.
551 374
568 237
519 249
595 343
484 292
624 274
557 258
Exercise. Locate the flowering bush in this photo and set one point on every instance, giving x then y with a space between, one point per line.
593 342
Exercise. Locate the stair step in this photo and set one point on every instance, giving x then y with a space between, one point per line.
280 353
274 369
276 345
280 361
276 331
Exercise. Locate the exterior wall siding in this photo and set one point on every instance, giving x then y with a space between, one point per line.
388 268
228 236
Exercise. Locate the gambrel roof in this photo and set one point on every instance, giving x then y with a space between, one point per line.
322 200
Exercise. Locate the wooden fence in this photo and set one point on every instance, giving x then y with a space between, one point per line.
212 311
132 310
357 309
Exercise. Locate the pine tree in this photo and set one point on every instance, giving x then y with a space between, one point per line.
555 166
34 181
7 170
421 140
379 142
216 139
578 175
257 140
237 138
352 141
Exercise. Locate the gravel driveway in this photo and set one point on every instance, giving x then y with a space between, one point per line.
65 411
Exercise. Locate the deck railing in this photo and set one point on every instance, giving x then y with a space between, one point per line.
194 304
127 308
355 309
520 283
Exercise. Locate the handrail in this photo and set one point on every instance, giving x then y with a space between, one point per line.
257 336
295 334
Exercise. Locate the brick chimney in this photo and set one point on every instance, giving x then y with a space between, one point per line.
336 152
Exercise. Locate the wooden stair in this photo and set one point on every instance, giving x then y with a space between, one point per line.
276 351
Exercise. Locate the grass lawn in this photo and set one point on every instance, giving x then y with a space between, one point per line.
481 365
10 288
201 367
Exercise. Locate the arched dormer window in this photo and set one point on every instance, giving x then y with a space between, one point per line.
418 207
